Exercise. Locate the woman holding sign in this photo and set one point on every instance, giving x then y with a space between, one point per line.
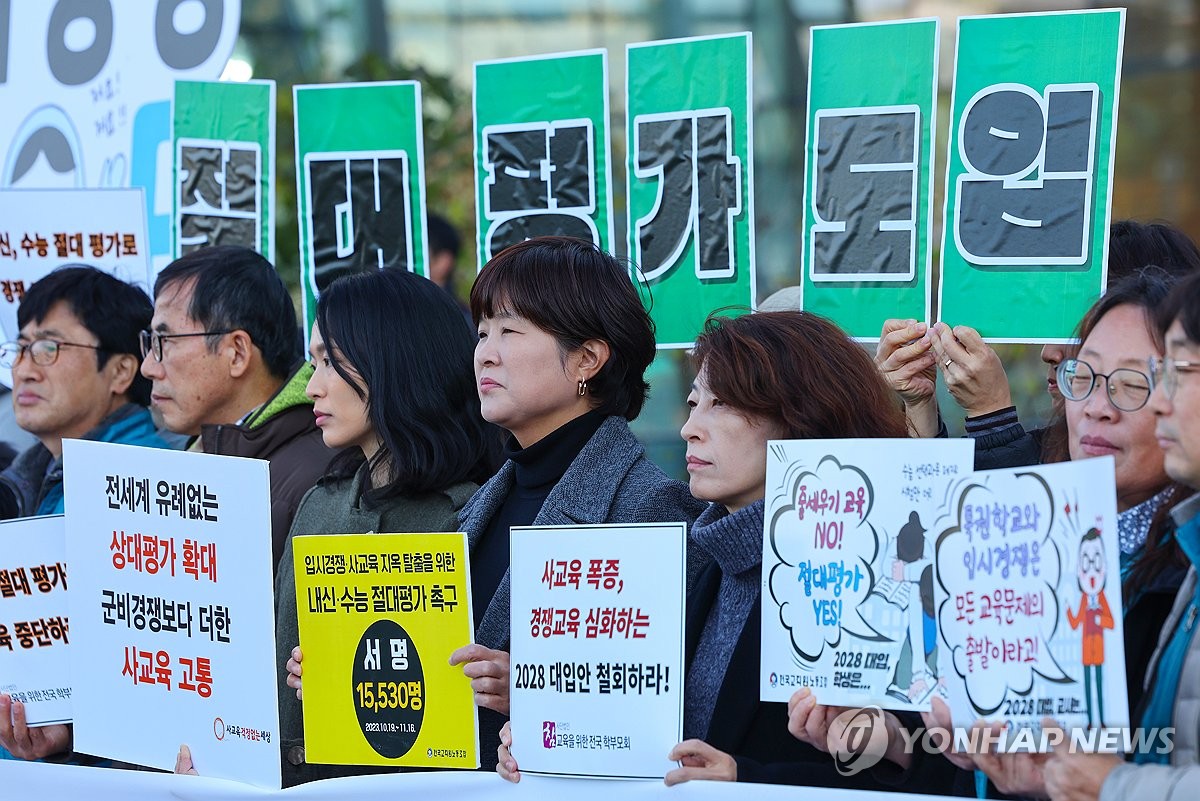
775 375
1105 388
392 388
564 344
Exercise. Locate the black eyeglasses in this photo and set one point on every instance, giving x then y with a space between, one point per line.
44 352
152 341
1128 389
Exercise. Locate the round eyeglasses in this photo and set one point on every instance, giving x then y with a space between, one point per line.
1128 389
44 352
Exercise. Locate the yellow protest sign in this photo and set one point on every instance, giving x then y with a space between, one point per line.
379 616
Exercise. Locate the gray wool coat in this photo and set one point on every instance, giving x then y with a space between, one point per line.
610 481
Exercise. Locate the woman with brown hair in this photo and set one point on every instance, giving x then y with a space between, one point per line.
773 375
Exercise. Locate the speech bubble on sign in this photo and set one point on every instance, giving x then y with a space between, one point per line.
824 545
999 568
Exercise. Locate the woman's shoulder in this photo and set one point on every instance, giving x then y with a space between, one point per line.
436 510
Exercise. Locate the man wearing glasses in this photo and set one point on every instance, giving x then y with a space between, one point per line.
75 374
1172 698
223 353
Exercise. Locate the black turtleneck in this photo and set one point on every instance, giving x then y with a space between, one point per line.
536 470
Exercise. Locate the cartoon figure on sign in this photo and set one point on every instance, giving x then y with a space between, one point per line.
1095 616
911 571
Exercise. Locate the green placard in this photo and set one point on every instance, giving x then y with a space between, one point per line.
868 175
691 179
360 181
1029 179
223 145
542 160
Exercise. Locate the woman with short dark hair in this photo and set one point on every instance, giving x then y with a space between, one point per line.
560 363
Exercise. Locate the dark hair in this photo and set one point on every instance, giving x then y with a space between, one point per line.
1149 289
401 343
234 288
799 370
1161 550
576 292
1182 305
1146 288
1133 245
442 235
114 311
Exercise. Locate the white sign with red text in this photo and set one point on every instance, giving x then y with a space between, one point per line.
34 630
597 649
171 608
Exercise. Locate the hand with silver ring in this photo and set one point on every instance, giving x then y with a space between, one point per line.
978 382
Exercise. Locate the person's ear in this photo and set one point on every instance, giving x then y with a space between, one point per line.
122 368
241 352
592 355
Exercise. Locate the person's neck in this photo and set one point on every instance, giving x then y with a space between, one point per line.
247 397
54 443
536 431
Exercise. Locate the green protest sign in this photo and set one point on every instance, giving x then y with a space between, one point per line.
223 145
542 160
691 179
868 176
1029 179
360 181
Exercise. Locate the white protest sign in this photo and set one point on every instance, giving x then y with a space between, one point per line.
847 568
1029 597
86 90
43 229
597 648
171 607
34 631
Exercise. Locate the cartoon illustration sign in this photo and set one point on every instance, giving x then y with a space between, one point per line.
848 606
1029 597
1029 182
86 90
